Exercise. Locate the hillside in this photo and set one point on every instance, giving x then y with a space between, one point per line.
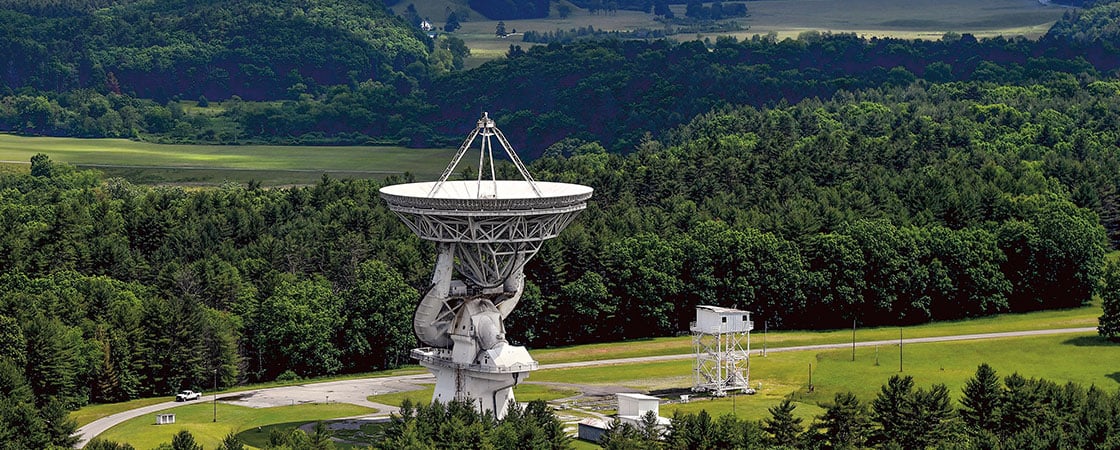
252 49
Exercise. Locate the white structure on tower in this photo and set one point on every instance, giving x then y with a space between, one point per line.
485 230
722 363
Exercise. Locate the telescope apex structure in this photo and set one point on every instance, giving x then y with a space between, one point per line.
485 231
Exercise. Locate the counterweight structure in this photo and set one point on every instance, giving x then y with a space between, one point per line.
485 231
722 362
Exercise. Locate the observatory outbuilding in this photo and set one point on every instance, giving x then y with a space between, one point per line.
722 338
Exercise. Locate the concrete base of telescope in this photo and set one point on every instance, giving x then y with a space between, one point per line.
487 384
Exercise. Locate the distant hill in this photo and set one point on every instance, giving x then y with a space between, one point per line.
1101 22
255 49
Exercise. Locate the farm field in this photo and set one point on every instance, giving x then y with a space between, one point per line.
910 19
271 165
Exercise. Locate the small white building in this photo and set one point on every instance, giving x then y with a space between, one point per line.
631 408
717 320
722 338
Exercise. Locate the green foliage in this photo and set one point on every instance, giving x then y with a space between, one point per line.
460 425
13 346
102 444
845 422
623 436
203 46
982 401
184 440
379 309
231 442
913 419
1109 323
296 327
783 427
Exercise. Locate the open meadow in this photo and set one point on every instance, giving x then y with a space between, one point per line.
908 19
271 165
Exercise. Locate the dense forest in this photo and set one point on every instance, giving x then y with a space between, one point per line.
356 92
814 181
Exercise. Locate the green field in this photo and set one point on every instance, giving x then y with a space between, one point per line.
197 418
271 165
1080 358
925 19
1067 318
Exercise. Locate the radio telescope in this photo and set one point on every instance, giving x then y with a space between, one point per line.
485 231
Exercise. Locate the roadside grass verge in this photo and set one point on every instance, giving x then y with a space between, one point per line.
90 413
197 418
1066 318
212 164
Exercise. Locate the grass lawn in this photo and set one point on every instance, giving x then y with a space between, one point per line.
1081 358
142 432
1066 318
272 165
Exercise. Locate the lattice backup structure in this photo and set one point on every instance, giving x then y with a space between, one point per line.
485 231
722 338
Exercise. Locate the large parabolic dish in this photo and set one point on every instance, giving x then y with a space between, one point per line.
493 232
486 230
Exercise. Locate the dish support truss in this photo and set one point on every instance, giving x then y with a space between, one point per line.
487 129
722 362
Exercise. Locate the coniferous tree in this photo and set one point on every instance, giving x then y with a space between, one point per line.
983 394
231 442
650 428
845 422
184 440
20 424
891 408
784 428
933 417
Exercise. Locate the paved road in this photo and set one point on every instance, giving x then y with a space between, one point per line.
356 391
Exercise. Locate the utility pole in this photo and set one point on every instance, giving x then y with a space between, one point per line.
765 325
900 349
215 394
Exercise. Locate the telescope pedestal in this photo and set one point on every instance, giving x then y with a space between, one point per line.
485 385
